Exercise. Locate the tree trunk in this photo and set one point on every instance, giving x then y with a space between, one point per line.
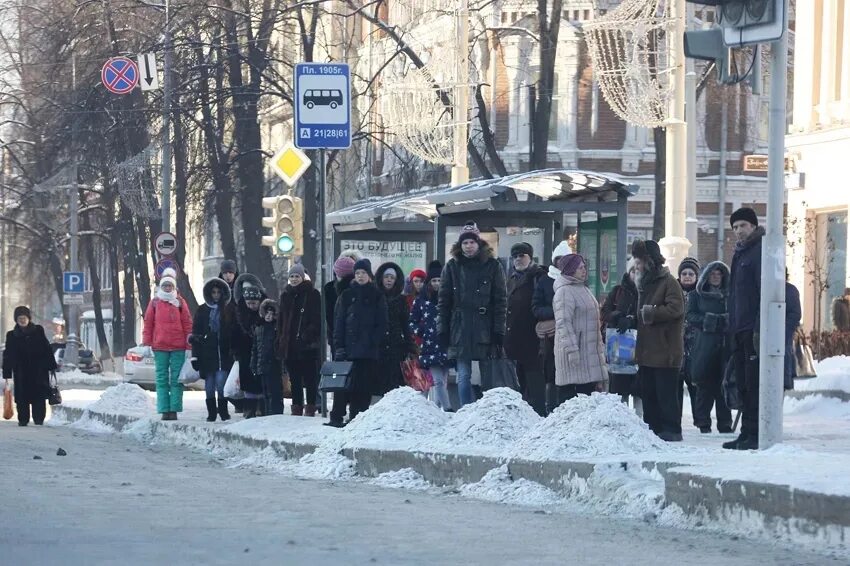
550 26
96 295
487 134
181 182
659 137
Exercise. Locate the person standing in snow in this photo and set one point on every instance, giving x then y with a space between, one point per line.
249 294
793 315
841 312
299 329
168 325
265 364
28 360
660 340
211 356
360 325
472 306
708 317
343 269
423 324
744 307
579 352
228 273
397 342
620 304
689 270
541 305
521 342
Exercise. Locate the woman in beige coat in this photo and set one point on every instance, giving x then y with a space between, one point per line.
579 353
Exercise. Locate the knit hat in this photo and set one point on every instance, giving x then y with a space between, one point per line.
570 263
648 249
168 279
251 293
469 231
344 266
228 266
522 248
435 269
744 213
168 272
420 273
561 250
689 263
23 311
363 264
297 269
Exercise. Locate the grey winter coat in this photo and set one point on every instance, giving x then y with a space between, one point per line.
472 304
579 352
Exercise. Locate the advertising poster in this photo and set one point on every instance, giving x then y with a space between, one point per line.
408 255
598 244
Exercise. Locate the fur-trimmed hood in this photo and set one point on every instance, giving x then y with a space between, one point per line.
250 280
485 252
702 283
269 305
399 279
210 284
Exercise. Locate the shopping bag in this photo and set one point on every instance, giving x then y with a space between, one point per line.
620 351
8 412
335 376
54 396
803 358
188 374
498 372
232 390
416 376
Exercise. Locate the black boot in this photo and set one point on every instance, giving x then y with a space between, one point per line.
211 410
249 408
733 444
222 408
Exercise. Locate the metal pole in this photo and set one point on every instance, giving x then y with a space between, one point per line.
166 126
323 332
772 320
460 170
691 222
72 341
532 108
3 297
721 188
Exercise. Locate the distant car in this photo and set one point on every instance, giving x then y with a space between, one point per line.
86 361
139 368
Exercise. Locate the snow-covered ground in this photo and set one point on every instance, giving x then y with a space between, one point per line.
833 375
76 377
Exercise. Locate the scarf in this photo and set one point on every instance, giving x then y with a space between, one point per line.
168 297
215 318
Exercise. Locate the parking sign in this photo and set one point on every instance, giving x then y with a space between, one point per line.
73 282
323 106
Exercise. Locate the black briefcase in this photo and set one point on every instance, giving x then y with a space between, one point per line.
335 376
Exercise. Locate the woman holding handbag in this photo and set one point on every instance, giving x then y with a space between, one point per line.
28 359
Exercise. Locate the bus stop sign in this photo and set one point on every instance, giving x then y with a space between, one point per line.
323 106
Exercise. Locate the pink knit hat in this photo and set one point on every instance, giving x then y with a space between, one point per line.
344 266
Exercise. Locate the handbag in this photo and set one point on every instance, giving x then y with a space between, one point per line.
54 396
8 412
498 371
803 359
545 328
335 376
416 376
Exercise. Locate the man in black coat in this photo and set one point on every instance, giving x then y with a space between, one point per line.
521 342
343 275
28 359
744 301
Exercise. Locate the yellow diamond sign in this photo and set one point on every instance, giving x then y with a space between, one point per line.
290 163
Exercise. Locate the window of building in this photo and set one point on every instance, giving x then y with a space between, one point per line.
827 268
504 17
586 14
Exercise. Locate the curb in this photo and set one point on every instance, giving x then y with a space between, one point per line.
773 511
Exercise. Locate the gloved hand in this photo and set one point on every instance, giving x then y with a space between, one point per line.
498 339
573 358
625 323
195 364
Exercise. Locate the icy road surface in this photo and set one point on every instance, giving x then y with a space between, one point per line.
114 501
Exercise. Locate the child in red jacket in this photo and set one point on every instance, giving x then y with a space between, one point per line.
168 324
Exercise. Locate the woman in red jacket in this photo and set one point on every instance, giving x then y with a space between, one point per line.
168 324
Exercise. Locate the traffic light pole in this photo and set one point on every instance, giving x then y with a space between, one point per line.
72 347
166 125
323 264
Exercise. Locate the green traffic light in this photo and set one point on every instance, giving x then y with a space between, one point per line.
285 244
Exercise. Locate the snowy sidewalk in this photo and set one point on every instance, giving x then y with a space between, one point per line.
593 453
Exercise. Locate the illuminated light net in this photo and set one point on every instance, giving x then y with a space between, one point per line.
136 178
629 56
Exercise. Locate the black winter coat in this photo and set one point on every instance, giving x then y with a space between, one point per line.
521 341
332 292
397 342
621 302
745 284
28 359
544 296
707 317
212 349
264 360
472 303
299 323
793 315
241 343
360 322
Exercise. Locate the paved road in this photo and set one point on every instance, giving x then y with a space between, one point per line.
114 501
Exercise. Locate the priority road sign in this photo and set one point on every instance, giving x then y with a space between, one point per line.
322 106
290 163
148 75
165 244
119 75
73 282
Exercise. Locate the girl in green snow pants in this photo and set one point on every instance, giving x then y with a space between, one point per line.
169 391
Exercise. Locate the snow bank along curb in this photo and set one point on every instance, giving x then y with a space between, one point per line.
689 499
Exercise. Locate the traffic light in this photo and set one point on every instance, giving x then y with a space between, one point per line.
707 44
286 223
748 22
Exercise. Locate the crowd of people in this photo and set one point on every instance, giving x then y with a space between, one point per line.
544 318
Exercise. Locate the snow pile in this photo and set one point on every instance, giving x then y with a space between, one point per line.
487 426
77 377
498 486
587 426
324 464
398 420
406 478
818 405
124 399
833 374
619 489
87 423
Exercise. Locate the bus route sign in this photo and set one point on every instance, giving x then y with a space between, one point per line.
322 106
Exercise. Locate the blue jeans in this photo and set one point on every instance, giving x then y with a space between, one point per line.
440 393
214 382
464 382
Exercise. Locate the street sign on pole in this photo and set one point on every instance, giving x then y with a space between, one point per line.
148 75
73 282
164 264
119 75
72 299
322 106
290 163
165 244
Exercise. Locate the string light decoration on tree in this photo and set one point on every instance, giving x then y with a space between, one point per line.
137 178
629 57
